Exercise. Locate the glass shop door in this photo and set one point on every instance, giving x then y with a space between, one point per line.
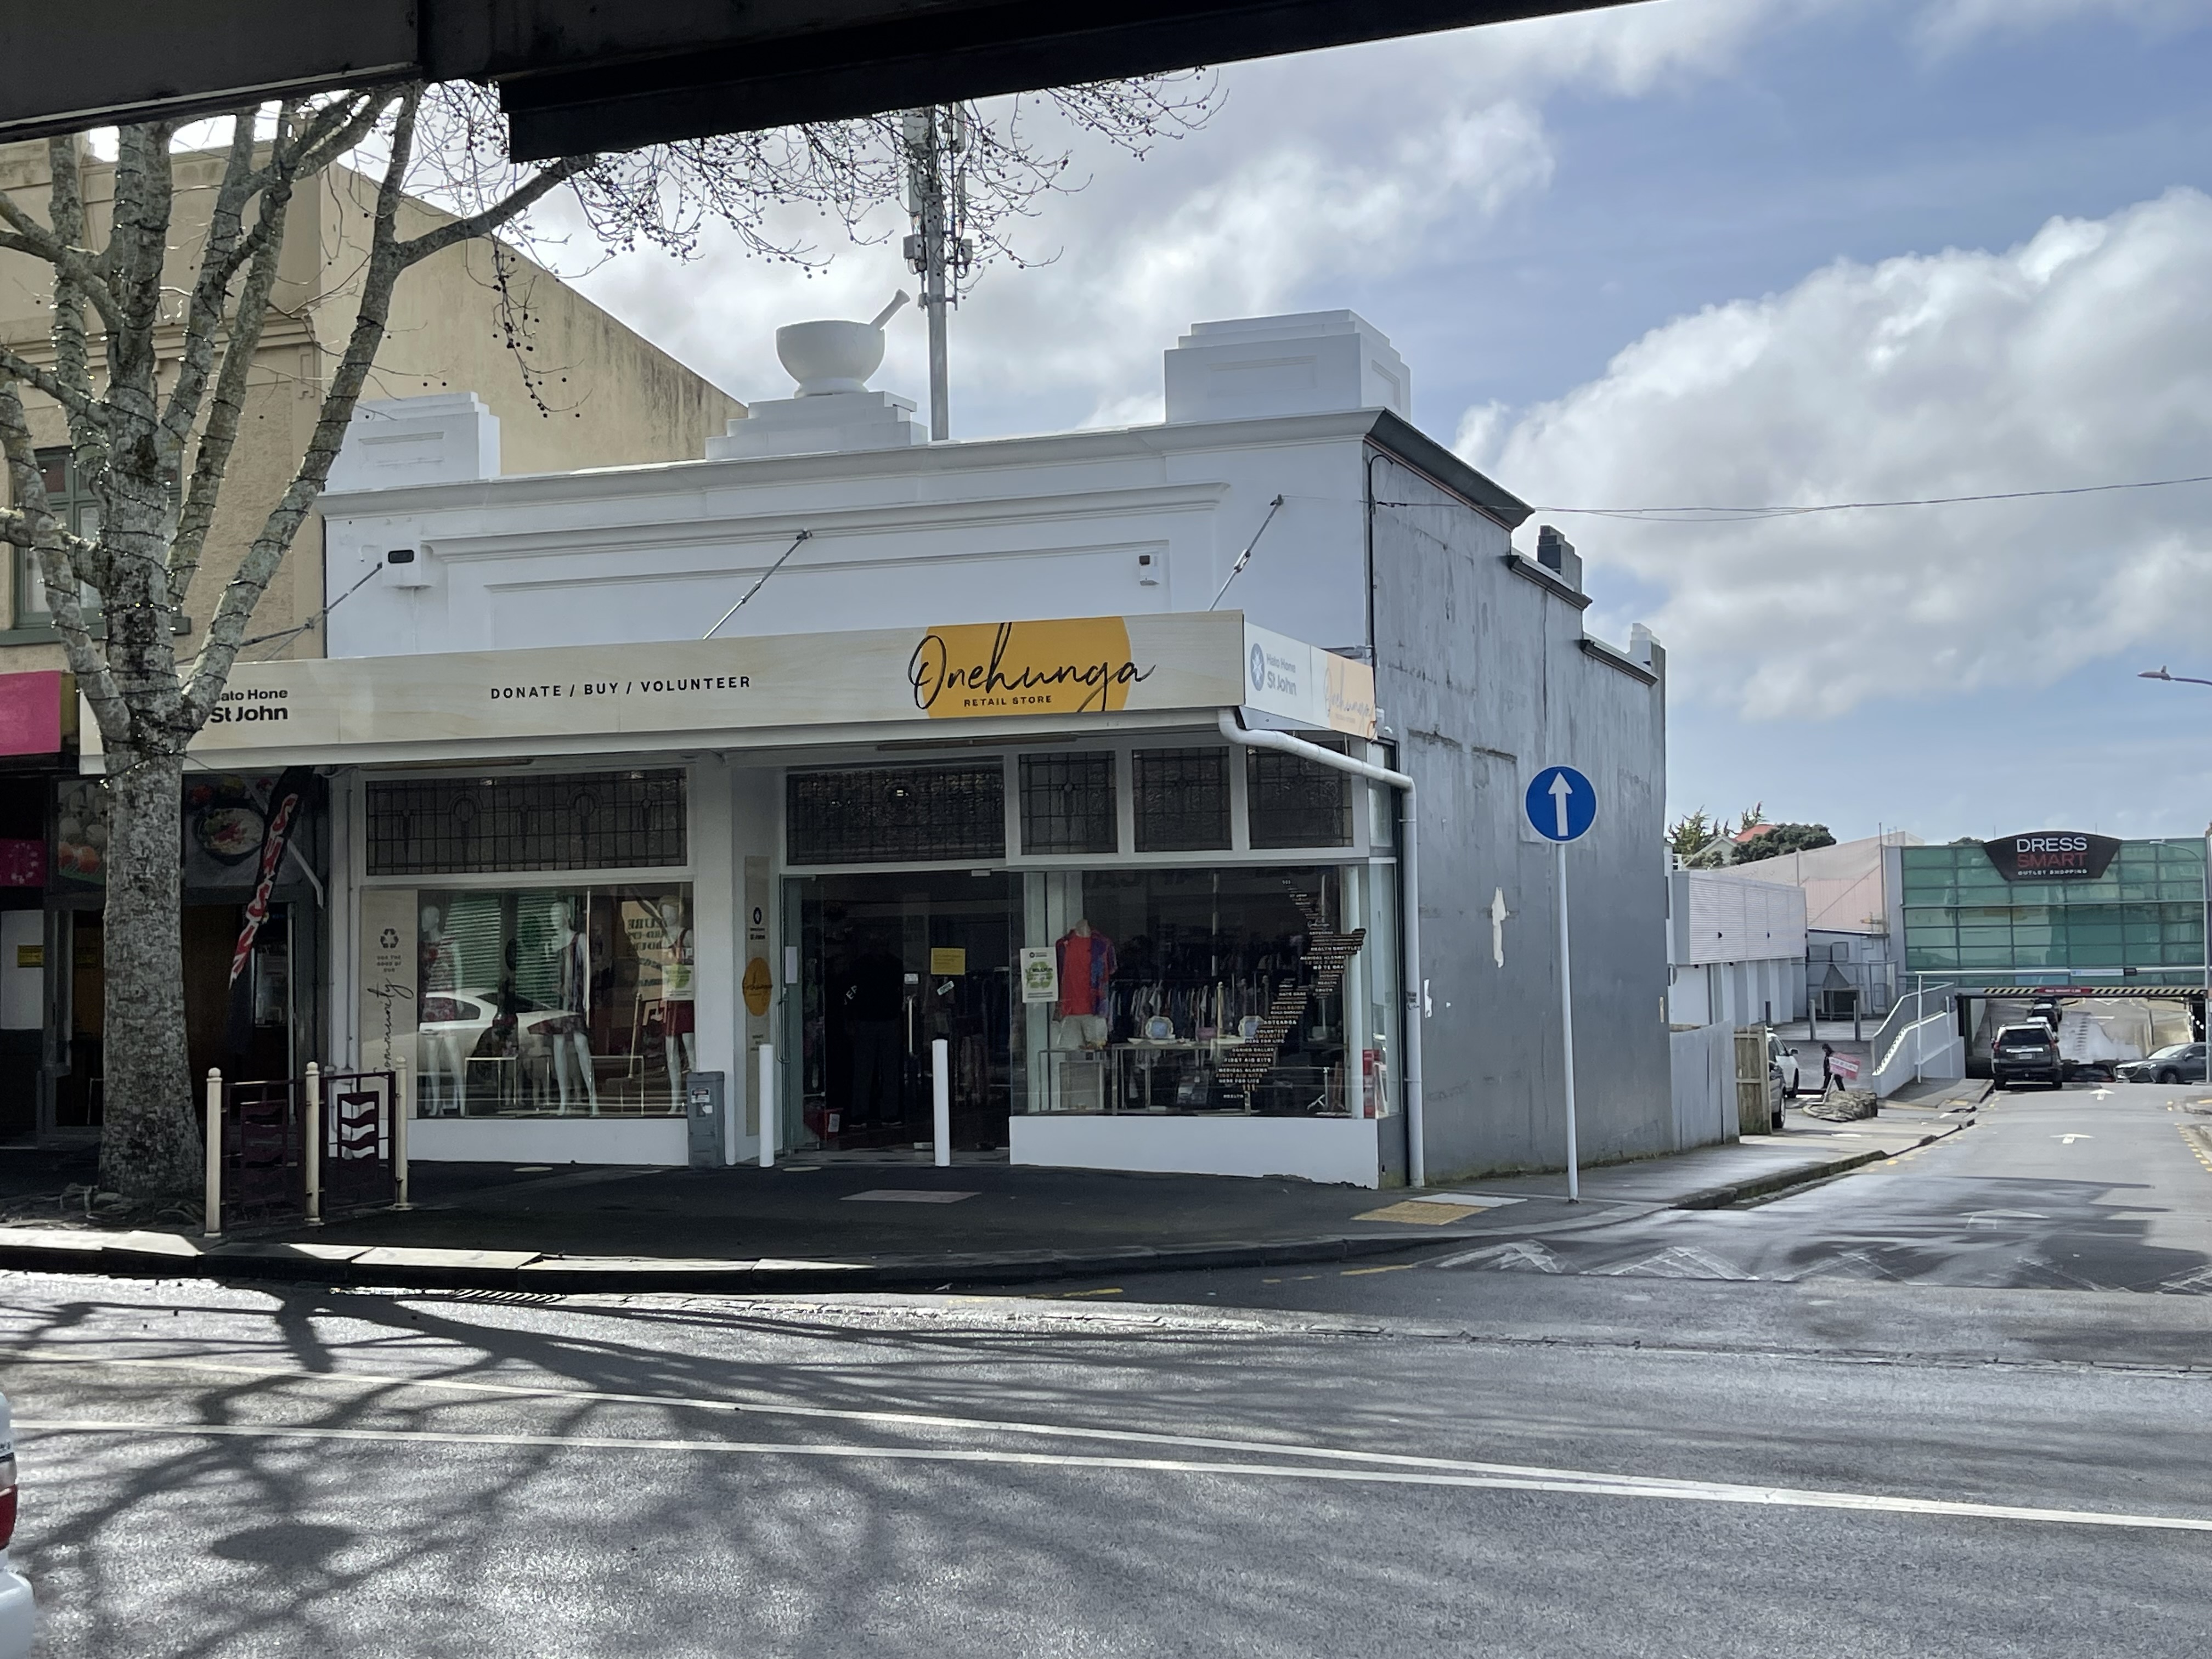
888 965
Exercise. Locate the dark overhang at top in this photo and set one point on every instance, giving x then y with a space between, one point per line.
1404 442
583 76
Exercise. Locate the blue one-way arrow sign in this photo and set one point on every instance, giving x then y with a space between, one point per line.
1561 804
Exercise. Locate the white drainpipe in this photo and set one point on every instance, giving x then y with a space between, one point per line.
1232 727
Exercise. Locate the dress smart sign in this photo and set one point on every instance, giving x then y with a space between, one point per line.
2052 855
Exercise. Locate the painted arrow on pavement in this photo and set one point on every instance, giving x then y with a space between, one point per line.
2068 1140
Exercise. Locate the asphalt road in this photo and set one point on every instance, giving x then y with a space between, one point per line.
1422 1460
2096 1187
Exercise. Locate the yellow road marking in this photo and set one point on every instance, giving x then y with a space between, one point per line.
1394 1268
1421 1212
1111 1290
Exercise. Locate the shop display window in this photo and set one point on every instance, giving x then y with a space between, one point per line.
1248 991
1181 800
464 826
554 1000
1067 804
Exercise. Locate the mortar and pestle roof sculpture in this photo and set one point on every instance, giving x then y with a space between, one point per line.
835 355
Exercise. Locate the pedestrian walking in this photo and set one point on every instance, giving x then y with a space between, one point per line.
1827 1069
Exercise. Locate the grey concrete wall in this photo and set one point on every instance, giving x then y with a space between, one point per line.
1483 681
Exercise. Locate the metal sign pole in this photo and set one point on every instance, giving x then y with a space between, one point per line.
1561 807
1567 1025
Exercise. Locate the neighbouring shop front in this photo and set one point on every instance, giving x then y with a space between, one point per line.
565 885
252 925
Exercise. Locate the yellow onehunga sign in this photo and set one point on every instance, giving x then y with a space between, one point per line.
1076 667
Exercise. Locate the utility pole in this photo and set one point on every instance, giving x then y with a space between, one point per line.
937 204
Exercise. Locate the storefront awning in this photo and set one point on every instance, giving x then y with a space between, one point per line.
1023 675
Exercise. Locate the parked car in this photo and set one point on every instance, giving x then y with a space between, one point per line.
2178 1062
16 1612
1783 1063
2026 1054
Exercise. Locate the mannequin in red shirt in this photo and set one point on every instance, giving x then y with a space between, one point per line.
1086 969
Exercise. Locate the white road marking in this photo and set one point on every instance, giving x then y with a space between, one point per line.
906 1196
1852 1265
2068 1140
1522 1255
1679 1262
1569 1481
1996 1217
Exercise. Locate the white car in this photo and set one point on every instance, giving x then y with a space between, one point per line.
16 1613
1783 1063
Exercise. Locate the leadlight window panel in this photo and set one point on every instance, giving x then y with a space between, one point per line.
1181 800
1293 802
897 815
1067 804
574 821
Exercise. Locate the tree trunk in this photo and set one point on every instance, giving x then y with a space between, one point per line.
150 1146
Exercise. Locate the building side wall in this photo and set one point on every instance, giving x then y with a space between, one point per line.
1482 680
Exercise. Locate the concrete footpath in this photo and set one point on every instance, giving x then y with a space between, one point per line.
821 1224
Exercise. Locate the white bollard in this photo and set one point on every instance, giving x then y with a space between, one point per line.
940 1098
311 1143
768 1103
211 1224
403 1107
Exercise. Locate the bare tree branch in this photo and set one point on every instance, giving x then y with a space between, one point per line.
510 207
83 267
227 629
79 406
72 353
45 537
211 464
332 133
225 245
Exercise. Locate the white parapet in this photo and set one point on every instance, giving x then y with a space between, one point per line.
1342 1150
548 1141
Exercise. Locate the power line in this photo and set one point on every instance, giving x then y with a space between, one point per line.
1732 514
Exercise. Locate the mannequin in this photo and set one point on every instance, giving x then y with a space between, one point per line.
437 975
571 1030
1086 967
678 1016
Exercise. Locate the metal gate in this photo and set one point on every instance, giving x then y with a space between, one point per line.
256 1155
282 1151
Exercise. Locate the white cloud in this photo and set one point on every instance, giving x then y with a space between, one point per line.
1944 26
2082 356
1316 166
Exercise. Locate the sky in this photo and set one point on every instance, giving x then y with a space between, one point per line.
1703 252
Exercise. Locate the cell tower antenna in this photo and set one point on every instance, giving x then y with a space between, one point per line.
938 249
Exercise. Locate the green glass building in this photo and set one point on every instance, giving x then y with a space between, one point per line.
1963 920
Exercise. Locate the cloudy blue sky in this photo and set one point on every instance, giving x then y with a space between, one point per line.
1736 251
